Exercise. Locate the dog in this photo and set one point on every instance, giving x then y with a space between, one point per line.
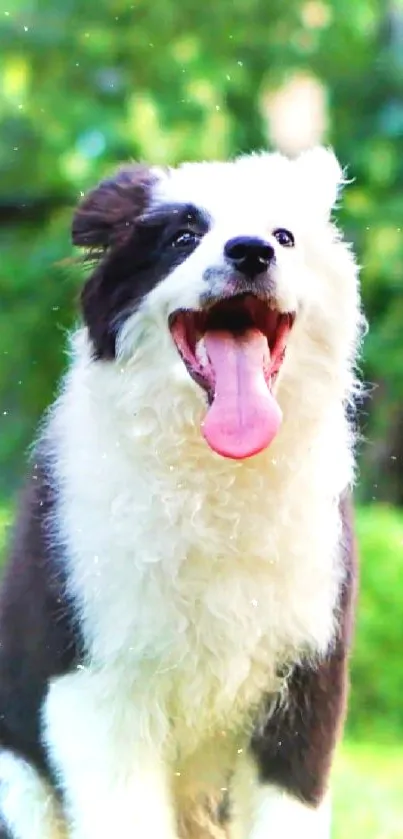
177 607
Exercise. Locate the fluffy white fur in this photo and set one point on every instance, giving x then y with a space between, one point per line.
196 575
262 813
27 804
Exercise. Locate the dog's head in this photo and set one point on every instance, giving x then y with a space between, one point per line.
227 279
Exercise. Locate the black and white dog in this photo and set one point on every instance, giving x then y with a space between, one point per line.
176 611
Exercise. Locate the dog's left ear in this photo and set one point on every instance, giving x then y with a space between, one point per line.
321 178
107 215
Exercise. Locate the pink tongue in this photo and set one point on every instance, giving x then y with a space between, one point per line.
244 417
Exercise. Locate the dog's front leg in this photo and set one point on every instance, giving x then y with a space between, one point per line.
281 788
266 811
113 780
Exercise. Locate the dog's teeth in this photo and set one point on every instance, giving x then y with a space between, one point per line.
201 353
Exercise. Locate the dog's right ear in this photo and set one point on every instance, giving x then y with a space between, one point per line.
107 215
321 177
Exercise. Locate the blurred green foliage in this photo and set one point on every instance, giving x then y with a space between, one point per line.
375 708
84 86
368 791
5 522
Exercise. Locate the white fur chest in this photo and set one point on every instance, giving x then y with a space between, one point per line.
195 577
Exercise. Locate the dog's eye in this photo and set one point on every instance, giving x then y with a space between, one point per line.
184 239
284 237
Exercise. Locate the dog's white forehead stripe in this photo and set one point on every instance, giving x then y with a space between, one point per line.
255 189
258 186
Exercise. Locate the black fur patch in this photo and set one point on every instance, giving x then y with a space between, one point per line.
106 216
38 639
132 247
296 747
4 833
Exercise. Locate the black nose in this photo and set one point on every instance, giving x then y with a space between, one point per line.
249 255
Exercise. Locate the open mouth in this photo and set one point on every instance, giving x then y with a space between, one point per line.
234 351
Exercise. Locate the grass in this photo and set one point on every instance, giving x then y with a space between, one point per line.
368 792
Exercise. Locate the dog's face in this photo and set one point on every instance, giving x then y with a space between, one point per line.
220 275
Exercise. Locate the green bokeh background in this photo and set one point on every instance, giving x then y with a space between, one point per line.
85 85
